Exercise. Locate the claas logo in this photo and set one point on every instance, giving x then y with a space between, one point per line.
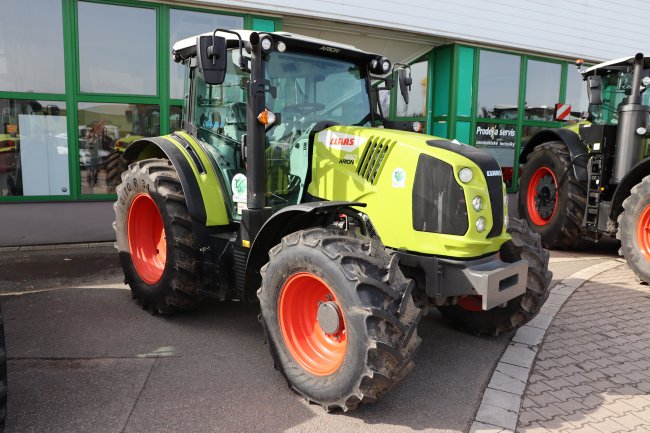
339 141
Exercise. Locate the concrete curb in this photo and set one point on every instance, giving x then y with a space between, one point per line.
499 409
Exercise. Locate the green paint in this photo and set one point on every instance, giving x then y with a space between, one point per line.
442 82
263 24
440 129
463 131
465 80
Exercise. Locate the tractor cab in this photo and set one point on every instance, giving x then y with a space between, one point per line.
304 85
610 83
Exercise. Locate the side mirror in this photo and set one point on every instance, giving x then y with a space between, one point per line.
594 86
404 84
211 52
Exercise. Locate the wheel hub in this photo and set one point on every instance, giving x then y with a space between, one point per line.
541 196
545 200
329 317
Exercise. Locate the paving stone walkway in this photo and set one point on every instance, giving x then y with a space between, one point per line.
592 372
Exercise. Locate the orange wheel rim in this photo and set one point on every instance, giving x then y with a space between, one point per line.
541 197
147 243
643 233
301 296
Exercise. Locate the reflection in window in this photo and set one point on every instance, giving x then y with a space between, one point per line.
417 105
33 148
499 140
542 90
105 131
117 49
184 24
175 118
576 94
31 46
498 85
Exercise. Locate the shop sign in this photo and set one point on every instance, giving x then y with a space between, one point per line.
496 136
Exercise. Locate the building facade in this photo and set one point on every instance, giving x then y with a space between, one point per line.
80 79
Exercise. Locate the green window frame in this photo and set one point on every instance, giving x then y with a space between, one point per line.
73 96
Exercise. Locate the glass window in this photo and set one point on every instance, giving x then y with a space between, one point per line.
498 85
417 106
499 140
175 118
542 90
105 131
576 93
184 24
117 49
31 46
33 148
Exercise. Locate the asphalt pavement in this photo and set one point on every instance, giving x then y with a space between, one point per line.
84 357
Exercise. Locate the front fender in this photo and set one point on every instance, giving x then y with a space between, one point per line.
287 220
633 177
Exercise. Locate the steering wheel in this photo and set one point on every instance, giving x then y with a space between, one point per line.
303 109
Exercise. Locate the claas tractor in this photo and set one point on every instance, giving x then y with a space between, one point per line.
286 187
590 180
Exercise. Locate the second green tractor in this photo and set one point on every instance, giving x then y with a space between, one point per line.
287 187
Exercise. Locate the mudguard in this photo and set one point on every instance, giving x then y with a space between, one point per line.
203 193
633 177
285 221
573 143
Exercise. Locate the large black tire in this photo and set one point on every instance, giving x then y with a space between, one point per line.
177 288
520 310
374 300
558 221
115 166
3 376
634 229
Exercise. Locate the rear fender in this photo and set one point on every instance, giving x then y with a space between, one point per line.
203 193
573 143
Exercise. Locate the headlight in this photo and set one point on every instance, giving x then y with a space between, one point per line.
480 224
465 174
477 203
266 44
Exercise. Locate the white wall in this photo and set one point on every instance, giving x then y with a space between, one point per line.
592 29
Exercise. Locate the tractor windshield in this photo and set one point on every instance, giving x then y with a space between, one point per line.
616 86
310 89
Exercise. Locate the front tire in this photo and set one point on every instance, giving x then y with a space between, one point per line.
338 316
553 207
634 230
467 313
154 237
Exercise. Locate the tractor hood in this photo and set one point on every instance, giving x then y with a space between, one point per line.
412 186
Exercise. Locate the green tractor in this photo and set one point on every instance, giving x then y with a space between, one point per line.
591 180
286 187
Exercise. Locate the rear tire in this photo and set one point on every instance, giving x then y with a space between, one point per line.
520 310
634 229
115 166
555 213
376 336
154 237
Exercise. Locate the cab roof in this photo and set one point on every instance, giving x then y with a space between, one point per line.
187 47
621 64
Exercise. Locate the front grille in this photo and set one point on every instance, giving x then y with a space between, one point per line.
373 157
438 200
